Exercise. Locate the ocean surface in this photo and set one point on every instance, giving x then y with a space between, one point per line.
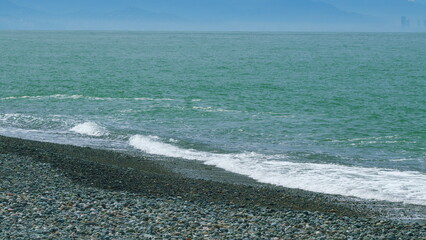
338 113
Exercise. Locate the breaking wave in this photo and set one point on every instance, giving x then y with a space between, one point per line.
367 183
90 128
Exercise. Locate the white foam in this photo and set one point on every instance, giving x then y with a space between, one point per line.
57 96
151 99
64 96
367 183
210 109
18 117
90 128
33 122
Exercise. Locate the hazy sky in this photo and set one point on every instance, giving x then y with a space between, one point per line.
291 15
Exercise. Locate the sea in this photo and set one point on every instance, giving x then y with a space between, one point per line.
335 113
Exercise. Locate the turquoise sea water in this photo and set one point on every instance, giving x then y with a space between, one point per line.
340 113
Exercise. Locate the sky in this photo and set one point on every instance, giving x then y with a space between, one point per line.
218 15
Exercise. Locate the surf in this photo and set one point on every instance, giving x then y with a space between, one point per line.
90 129
367 183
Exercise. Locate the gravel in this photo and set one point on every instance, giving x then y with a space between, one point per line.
39 200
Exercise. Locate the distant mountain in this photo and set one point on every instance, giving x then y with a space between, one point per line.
46 14
311 15
70 6
126 14
13 16
254 10
132 13
10 9
386 9
391 12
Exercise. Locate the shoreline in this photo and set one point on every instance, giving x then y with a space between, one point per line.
122 172
139 177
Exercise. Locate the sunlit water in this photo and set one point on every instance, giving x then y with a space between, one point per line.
340 113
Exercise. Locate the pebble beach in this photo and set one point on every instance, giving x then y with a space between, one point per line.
51 191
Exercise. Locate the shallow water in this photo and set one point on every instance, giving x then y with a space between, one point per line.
340 113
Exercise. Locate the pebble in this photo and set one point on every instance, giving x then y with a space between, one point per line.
38 202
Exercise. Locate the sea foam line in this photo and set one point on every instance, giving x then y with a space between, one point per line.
367 183
64 96
30 121
211 109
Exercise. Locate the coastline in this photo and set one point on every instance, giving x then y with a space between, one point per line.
138 180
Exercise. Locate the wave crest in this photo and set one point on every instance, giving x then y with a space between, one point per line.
90 128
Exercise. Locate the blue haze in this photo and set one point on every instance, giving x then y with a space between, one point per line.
253 15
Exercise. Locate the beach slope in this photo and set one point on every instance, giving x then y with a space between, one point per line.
58 191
